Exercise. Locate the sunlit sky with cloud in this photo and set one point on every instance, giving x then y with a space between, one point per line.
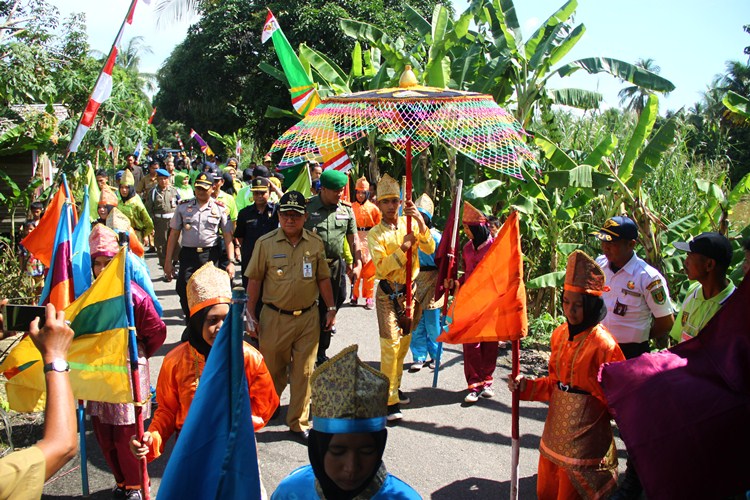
689 39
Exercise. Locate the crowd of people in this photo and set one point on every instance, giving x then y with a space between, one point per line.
208 224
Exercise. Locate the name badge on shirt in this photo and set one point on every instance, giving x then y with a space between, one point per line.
620 308
307 270
342 216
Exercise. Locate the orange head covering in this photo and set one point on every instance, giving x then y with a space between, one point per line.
583 275
103 242
472 215
362 184
107 197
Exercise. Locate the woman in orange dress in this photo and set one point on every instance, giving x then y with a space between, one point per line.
577 454
209 295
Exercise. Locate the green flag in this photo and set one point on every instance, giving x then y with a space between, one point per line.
302 183
304 95
94 193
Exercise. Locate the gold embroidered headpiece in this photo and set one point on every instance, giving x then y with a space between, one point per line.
348 396
424 203
119 222
208 286
388 188
583 275
127 178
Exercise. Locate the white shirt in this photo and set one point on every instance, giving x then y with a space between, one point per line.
637 292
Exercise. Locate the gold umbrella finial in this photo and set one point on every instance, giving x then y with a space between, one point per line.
408 78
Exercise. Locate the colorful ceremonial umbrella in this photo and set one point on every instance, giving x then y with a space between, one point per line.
411 117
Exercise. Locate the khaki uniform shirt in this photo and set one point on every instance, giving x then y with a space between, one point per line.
200 226
160 202
332 224
289 274
145 184
22 474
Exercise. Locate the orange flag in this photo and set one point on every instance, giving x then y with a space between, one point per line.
40 241
491 305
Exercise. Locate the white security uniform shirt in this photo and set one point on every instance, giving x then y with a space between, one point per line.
637 291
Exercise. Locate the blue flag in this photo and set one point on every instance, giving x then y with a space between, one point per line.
81 258
217 442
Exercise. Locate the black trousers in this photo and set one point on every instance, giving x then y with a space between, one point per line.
338 283
190 261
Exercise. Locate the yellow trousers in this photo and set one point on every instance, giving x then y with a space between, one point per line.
392 354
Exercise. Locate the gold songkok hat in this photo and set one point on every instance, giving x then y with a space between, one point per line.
107 197
362 184
388 188
103 242
583 275
472 215
348 396
424 203
127 178
208 286
118 221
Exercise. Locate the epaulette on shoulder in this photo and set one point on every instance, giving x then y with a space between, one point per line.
266 236
346 203
314 235
188 200
220 203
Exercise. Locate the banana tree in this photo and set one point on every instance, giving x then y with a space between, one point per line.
528 66
643 152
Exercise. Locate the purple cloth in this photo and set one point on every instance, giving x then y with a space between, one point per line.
473 256
684 413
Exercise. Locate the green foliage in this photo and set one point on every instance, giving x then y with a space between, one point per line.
540 331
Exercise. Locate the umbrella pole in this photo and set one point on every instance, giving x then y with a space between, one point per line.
514 433
407 197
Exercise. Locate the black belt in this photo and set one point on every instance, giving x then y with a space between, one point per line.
200 249
568 388
428 268
298 312
364 228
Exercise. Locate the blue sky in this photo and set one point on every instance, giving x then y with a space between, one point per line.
690 40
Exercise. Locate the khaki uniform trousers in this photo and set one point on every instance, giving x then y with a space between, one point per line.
161 234
289 345
393 345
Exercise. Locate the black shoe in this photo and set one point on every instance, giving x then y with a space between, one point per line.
321 359
301 436
119 492
403 398
276 413
394 413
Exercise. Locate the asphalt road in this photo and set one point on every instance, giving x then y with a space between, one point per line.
443 448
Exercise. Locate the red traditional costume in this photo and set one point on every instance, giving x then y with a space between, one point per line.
367 216
578 458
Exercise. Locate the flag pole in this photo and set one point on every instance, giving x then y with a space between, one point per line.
236 363
407 197
134 376
128 15
451 263
514 433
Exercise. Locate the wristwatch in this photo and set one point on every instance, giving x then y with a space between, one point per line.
332 308
57 365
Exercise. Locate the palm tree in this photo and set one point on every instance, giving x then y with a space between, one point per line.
130 59
177 10
636 96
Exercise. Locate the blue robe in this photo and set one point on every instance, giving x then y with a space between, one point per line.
300 485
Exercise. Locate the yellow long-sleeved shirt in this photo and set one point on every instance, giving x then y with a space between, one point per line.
385 242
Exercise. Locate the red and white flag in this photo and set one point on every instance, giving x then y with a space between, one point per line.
238 149
103 87
340 161
179 141
151 118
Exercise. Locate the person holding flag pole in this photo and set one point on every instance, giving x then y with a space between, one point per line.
577 453
114 423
